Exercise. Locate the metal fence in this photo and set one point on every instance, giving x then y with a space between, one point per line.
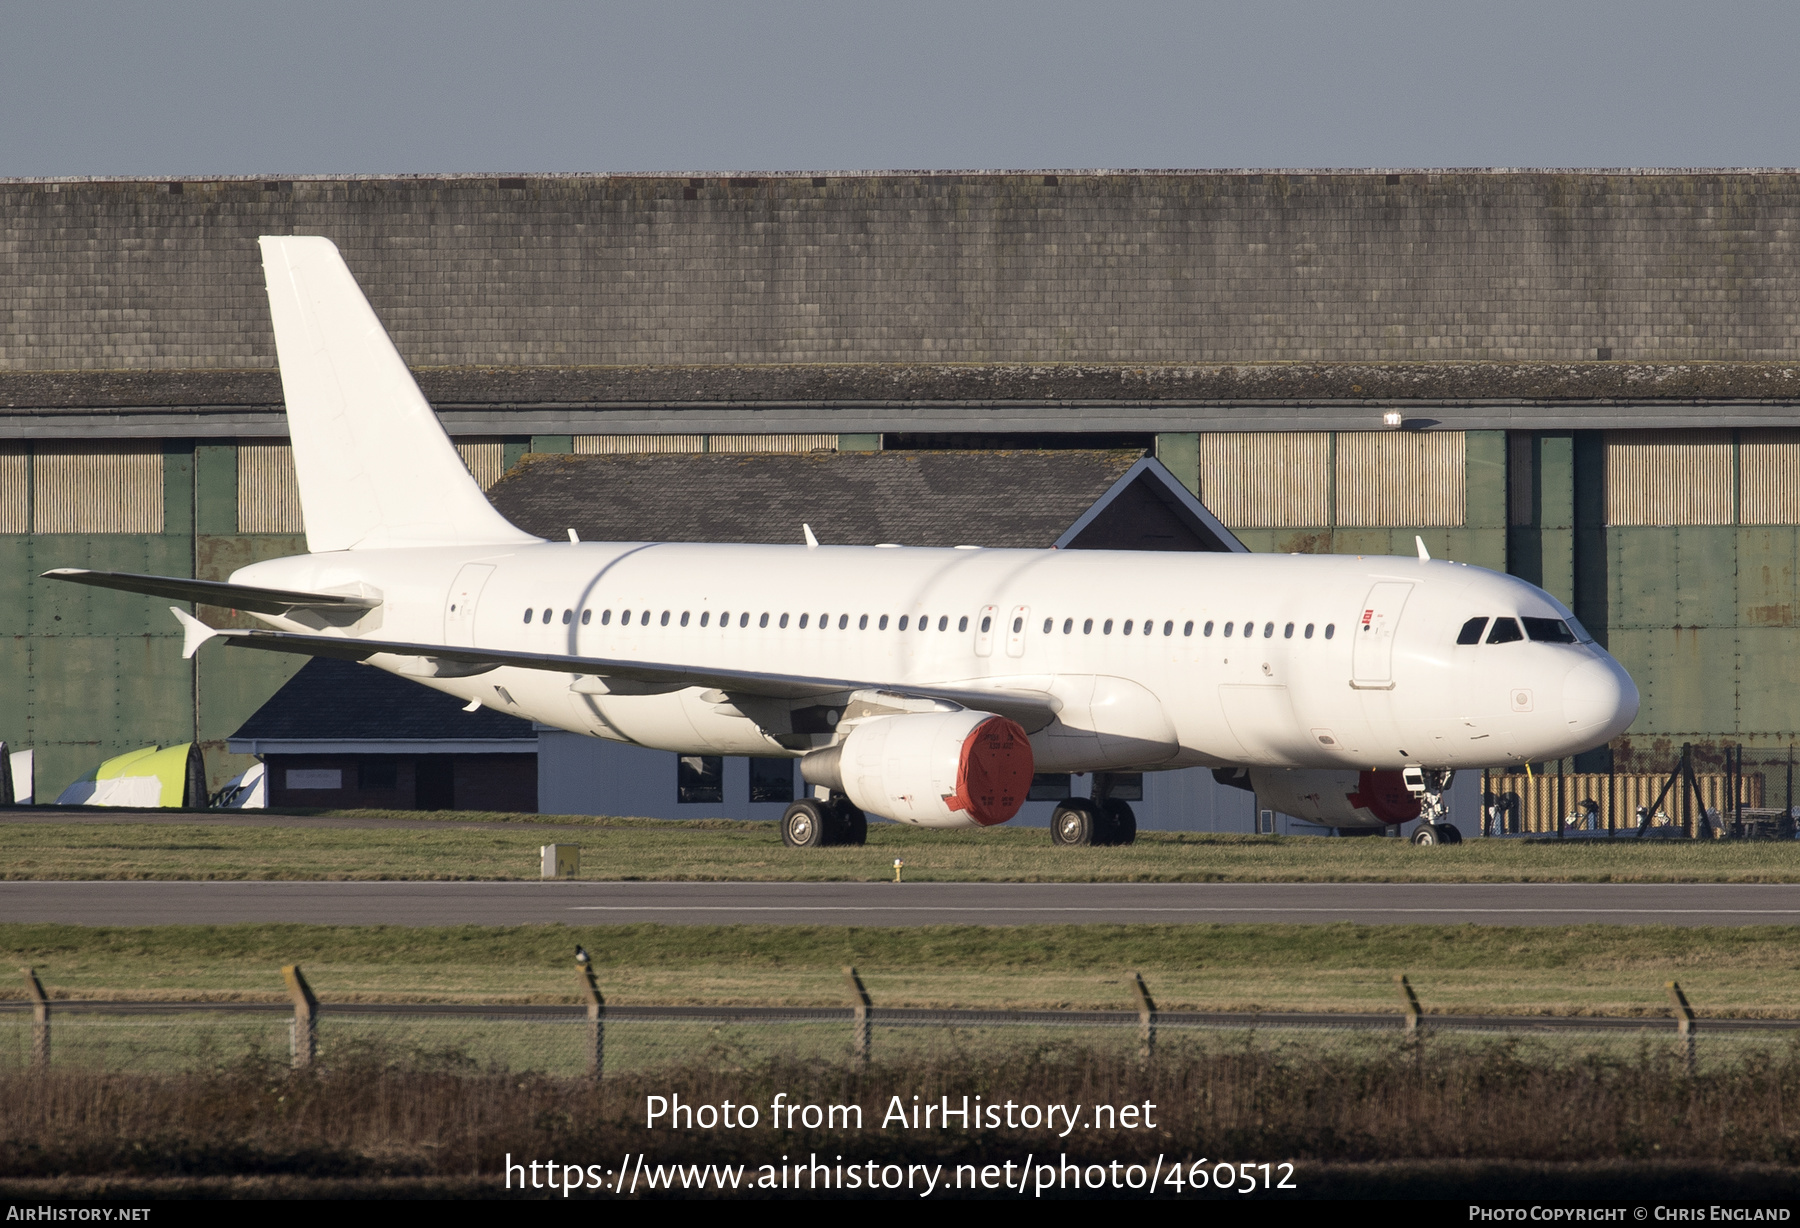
563 1042
1722 793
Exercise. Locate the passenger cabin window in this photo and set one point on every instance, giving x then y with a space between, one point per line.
527 615
763 621
882 625
1206 630
1169 628
1106 627
744 619
944 622
1268 631
568 617
664 620
901 625
605 617
783 622
1506 631
684 618
1330 630
843 621
705 617
862 624
1126 629
1288 633
803 619
1227 631
1189 628
962 624
1309 630
587 616
1548 630
1068 625
1471 631
1087 626
1048 624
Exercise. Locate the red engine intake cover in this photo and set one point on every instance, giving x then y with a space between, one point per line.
994 774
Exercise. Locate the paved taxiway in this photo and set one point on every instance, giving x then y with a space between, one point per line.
517 903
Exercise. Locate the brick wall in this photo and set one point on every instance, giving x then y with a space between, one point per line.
1173 268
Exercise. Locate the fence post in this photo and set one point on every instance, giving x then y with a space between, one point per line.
859 1017
1146 1017
1409 1001
1684 1023
40 1020
306 1016
596 1021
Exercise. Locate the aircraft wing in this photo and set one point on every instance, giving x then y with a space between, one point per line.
1031 709
215 592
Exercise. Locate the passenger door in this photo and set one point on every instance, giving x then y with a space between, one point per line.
1372 656
459 610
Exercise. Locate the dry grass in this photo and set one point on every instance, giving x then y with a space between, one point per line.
718 850
382 1114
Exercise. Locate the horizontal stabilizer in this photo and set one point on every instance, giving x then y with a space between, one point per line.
215 592
1032 709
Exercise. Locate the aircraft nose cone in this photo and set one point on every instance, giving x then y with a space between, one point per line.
1599 700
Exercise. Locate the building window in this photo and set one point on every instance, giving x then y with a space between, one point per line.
376 772
771 780
700 778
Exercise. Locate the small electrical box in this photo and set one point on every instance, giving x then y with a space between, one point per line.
561 860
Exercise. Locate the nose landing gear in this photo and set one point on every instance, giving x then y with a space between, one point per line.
1430 785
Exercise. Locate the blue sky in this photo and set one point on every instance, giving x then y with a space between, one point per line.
242 88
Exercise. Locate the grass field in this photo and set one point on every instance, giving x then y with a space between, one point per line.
1602 970
743 851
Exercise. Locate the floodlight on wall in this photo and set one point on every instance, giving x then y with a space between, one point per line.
1392 420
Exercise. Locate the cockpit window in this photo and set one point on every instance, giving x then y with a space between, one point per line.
1471 631
1581 632
1506 631
1548 630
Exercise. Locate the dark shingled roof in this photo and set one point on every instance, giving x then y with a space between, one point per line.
997 499
342 701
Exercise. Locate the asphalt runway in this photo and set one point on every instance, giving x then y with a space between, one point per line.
578 903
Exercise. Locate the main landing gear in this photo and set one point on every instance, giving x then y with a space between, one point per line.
810 823
1429 785
1077 821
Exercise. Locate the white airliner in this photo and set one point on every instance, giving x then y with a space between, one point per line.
920 685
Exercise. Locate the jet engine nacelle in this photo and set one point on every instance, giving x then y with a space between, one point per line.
1336 798
933 769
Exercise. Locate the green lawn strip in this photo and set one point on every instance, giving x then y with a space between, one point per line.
1610 970
716 850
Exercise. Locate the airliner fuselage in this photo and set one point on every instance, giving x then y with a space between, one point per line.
1153 660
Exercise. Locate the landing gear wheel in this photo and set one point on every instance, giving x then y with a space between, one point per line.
1448 834
1075 823
849 825
1427 836
806 825
1121 823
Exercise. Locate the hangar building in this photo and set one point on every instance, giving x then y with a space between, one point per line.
1597 375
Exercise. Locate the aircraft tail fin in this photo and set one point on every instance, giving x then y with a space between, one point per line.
374 464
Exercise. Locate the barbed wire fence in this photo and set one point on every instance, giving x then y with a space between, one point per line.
594 1040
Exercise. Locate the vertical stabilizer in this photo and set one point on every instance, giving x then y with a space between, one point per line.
375 466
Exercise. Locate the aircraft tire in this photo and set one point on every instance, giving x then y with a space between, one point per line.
806 825
849 824
1449 834
1075 823
1121 823
1427 836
